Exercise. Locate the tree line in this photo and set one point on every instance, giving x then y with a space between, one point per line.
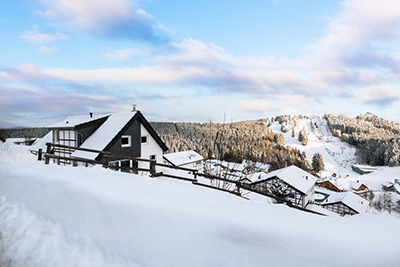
377 140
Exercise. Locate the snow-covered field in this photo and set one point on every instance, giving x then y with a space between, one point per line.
64 216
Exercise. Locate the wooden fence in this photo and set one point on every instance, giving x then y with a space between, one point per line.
239 185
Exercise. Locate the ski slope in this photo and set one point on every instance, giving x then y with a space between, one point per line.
64 216
338 156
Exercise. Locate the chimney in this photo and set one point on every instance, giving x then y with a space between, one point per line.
134 107
91 114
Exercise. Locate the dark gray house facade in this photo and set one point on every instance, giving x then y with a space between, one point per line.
126 134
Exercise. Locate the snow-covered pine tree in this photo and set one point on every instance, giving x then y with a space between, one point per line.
303 138
317 162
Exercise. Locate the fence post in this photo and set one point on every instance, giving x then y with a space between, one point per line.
152 167
40 153
105 163
47 153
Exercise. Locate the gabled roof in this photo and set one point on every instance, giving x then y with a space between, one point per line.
115 123
357 186
350 199
73 121
183 157
294 176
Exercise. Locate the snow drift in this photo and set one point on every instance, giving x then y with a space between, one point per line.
64 216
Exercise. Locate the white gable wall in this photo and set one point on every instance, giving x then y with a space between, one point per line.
150 148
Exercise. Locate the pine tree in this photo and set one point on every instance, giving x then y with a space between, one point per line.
317 162
303 138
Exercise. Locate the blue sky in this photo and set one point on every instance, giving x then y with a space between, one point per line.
198 60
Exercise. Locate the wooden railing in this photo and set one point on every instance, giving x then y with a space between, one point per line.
239 185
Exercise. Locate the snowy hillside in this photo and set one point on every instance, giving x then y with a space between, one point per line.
64 216
338 156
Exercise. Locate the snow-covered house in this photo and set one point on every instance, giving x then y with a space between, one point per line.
363 169
125 134
293 184
346 203
21 141
359 188
328 184
392 187
185 159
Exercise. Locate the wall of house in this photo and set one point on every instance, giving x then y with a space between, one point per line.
115 147
150 148
339 208
198 165
294 196
309 198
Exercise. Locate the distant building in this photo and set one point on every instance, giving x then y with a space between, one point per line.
360 169
186 159
22 141
359 188
328 184
346 203
391 187
294 184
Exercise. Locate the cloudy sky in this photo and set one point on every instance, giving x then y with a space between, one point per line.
197 60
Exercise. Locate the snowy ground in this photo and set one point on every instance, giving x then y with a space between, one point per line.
64 216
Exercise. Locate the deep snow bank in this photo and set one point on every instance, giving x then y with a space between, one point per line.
64 216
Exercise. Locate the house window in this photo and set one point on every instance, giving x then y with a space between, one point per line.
153 157
144 140
126 141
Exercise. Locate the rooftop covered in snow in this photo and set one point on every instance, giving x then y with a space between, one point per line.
104 134
350 199
294 176
183 157
72 121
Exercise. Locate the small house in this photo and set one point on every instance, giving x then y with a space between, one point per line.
185 159
391 187
361 169
346 203
290 183
359 188
328 184
126 134
22 141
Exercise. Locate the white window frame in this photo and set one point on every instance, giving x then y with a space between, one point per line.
147 139
129 141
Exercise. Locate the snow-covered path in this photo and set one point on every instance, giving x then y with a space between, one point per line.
64 216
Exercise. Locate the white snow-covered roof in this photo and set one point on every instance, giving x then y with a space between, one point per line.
41 144
72 121
296 177
350 199
256 176
183 157
104 134
357 185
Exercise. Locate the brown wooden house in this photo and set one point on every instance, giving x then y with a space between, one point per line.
328 185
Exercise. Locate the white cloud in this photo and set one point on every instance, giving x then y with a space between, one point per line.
381 94
257 106
44 48
125 54
35 36
113 18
